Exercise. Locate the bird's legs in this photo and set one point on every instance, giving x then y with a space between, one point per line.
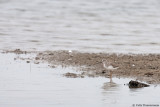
110 75
110 80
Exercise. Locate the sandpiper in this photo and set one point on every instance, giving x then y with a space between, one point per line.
108 66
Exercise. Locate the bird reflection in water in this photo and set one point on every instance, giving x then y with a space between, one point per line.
109 92
108 86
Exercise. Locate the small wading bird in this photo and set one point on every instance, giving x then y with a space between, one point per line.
109 67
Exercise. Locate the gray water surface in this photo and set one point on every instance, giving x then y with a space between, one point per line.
36 85
123 26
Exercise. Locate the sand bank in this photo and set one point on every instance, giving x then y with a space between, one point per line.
139 66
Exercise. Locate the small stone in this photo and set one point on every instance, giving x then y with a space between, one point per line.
69 59
51 54
82 76
70 51
28 61
148 74
133 65
103 71
36 62
37 58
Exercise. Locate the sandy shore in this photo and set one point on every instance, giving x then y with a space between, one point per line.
141 67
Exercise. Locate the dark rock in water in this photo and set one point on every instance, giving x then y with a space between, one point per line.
28 61
136 84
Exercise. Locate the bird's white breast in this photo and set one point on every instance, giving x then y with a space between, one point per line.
110 67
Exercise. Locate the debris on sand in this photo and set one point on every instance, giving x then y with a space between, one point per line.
73 75
136 84
149 74
16 51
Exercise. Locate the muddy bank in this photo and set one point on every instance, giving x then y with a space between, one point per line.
141 67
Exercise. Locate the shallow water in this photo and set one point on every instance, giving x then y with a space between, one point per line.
36 85
126 26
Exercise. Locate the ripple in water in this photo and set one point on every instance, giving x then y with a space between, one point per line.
95 26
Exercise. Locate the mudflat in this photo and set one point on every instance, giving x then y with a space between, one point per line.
144 67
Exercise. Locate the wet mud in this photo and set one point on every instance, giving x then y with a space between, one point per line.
143 67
